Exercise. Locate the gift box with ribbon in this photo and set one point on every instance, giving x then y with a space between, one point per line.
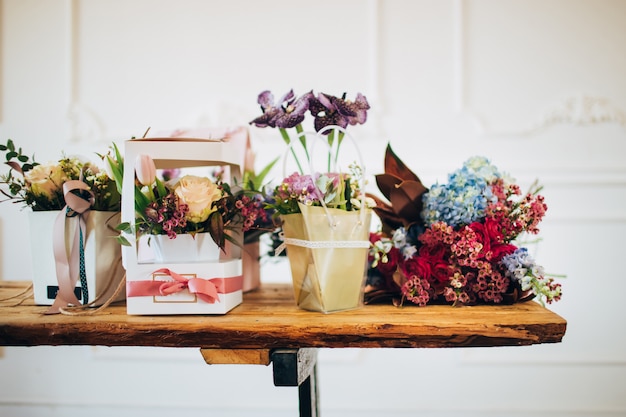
76 258
88 264
157 285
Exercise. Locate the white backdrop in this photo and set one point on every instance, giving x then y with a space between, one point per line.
537 86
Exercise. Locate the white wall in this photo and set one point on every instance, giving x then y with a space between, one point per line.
537 86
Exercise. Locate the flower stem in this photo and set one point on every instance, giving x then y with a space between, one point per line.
331 140
302 139
287 140
339 140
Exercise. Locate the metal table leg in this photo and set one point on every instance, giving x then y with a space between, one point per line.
298 367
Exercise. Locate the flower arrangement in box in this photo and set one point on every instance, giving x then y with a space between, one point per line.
189 207
324 216
456 243
72 194
40 186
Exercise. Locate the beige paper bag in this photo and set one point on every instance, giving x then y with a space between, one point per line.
328 259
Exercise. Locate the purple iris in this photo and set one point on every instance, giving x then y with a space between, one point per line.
285 113
330 110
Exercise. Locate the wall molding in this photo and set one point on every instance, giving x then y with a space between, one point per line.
581 110
83 121
577 109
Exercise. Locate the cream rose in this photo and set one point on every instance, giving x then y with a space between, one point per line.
198 193
45 180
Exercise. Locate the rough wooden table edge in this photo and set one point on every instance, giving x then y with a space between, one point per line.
237 330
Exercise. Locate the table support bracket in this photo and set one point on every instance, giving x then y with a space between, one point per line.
298 367
291 368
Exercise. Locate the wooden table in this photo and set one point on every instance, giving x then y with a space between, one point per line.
269 328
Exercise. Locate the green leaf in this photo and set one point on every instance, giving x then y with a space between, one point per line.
22 158
10 145
3 148
257 181
161 190
232 240
118 154
11 155
123 241
118 173
122 227
141 201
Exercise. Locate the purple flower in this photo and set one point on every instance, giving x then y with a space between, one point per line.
330 110
355 111
285 113
325 112
293 112
298 184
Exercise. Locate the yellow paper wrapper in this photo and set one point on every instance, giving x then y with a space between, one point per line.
328 263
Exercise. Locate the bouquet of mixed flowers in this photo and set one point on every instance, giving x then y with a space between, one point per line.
324 216
190 204
341 191
331 116
456 242
75 207
40 186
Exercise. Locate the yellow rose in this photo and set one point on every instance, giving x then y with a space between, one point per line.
198 193
45 180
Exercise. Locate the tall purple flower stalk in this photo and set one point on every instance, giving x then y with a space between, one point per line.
290 111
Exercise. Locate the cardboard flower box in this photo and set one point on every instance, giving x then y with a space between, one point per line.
196 287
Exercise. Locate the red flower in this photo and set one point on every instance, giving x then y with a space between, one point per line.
417 266
393 257
500 250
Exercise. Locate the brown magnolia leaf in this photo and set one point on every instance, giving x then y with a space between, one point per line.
390 221
394 166
216 229
385 213
386 183
406 200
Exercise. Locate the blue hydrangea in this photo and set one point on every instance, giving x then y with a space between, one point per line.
402 240
465 197
521 267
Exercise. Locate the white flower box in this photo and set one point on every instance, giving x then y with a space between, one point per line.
103 264
189 149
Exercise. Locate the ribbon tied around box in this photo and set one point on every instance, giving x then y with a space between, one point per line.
69 269
207 290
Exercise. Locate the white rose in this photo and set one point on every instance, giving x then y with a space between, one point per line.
45 180
198 193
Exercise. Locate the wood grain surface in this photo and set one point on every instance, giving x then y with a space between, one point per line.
268 318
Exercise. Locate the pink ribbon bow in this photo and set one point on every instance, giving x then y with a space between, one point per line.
67 268
207 290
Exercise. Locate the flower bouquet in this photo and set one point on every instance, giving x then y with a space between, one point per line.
458 242
192 224
75 206
325 216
